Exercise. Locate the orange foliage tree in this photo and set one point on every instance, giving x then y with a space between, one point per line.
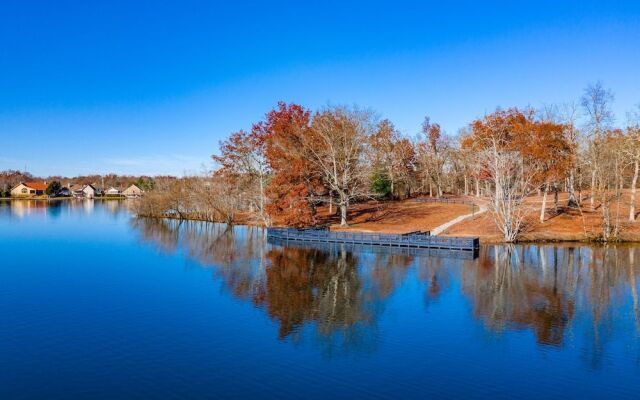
393 156
294 186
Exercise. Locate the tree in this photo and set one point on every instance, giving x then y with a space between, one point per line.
632 150
392 156
596 103
604 161
295 187
432 154
53 188
144 183
569 113
10 178
381 185
497 140
242 159
544 145
336 144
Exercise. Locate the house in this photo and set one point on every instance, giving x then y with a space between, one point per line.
25 189
89 191
64 191
76 190
133 191
113 192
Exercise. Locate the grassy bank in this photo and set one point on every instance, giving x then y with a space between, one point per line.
561 225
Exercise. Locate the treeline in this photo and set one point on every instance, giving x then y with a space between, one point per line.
296 160
10 178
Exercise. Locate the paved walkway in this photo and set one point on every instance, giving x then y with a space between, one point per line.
439 229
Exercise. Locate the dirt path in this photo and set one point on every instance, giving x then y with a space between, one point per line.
439 229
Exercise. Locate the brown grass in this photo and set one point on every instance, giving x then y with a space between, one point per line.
395 216
569 224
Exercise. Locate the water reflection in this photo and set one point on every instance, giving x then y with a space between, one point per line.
513 290
55 208
583 294
295 286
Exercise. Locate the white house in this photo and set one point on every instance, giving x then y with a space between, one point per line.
76 189
113 192
133 191
89 191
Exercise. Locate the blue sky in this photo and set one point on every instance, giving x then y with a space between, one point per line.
147 88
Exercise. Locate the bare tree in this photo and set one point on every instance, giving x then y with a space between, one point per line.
596 103
243 160
632 150
497 138
337 143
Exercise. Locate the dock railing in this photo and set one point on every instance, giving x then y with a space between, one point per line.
407 251
419 239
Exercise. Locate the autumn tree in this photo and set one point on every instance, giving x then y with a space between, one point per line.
337 146
10 178
510 171
242 158
294 189
432 152
544 146
567 117
392 157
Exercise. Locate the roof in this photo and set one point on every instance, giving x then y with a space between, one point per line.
36 185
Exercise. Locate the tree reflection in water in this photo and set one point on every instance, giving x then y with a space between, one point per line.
545 288
507 292
338 293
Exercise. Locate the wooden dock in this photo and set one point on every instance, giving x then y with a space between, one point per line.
419 240
334 248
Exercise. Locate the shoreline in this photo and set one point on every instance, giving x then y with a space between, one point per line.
484 240
59 198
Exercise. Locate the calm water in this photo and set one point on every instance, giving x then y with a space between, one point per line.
97 304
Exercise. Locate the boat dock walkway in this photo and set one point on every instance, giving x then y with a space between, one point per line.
420 239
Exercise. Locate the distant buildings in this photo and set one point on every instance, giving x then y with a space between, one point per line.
133 191
113 192
27 189
85 191
89 191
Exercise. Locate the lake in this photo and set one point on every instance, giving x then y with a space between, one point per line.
98 304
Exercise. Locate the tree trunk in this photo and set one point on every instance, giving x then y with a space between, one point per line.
593 188
573 202
544 202
477 188
555 198
466 185
393 196
343 214
634 183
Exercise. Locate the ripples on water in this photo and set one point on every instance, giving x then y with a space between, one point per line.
298 320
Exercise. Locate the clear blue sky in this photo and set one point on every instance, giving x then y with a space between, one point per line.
147 87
